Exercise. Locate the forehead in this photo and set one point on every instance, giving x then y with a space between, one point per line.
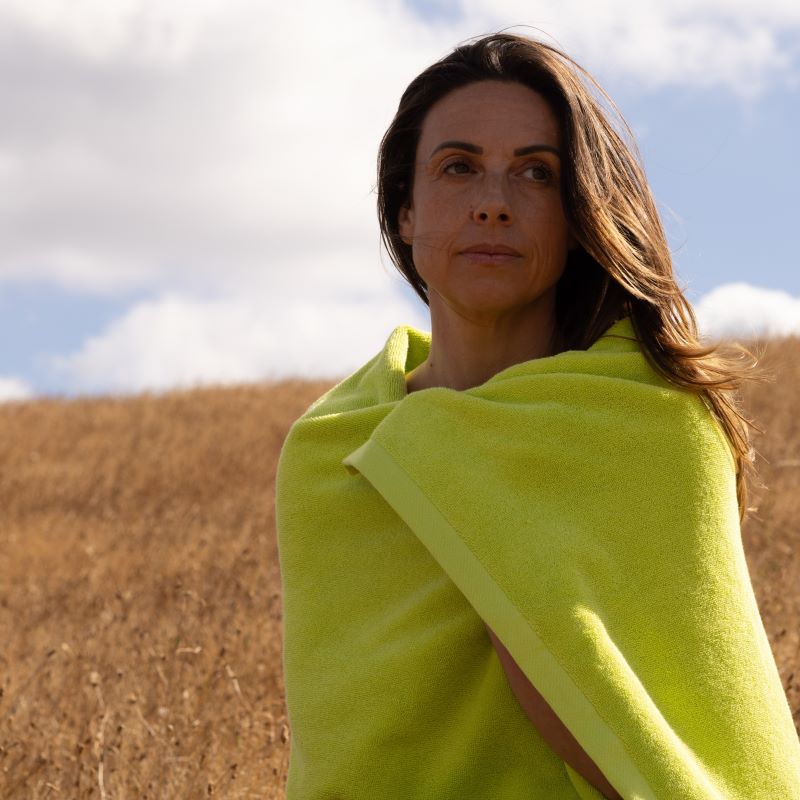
490 112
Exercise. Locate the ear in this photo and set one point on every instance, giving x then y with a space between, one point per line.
405 224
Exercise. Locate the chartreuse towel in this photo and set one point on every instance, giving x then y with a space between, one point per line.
581 506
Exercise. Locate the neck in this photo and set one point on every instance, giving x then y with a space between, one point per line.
465 353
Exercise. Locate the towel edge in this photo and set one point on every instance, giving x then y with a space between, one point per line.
491 603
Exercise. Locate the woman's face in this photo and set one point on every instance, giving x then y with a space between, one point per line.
486 222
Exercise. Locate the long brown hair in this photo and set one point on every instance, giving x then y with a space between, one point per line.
622 266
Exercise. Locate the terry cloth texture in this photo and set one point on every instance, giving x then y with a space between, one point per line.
582 506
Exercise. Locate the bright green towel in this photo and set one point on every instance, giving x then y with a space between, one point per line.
586 510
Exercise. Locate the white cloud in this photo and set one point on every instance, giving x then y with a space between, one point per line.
98 30
253 154
177 341
652 43
739 310
12 388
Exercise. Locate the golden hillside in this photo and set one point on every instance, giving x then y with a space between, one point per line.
139 589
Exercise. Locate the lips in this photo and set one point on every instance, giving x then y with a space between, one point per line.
484 248
488 255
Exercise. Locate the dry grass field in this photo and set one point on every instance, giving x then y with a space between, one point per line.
140 602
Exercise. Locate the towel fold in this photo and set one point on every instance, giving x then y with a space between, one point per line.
585 509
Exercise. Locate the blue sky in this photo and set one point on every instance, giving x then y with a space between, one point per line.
725 173
170 217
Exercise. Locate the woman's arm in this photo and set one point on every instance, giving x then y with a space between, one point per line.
553 731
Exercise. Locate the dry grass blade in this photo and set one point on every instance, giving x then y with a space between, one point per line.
140 609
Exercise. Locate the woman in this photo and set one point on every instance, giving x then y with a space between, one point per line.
510 550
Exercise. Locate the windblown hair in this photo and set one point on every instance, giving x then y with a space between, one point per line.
622 266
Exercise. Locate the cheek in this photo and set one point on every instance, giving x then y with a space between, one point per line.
436 226
551 227
440 207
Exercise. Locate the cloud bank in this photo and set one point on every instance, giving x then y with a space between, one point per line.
12 388
173 342
742 311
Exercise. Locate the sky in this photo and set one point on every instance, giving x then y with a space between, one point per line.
187 188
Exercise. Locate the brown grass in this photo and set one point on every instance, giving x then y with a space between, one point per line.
139 589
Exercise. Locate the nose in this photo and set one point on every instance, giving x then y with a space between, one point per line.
492 204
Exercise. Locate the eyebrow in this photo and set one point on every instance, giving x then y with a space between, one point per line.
473 148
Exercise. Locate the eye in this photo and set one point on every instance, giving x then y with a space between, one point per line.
539 173
457 167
